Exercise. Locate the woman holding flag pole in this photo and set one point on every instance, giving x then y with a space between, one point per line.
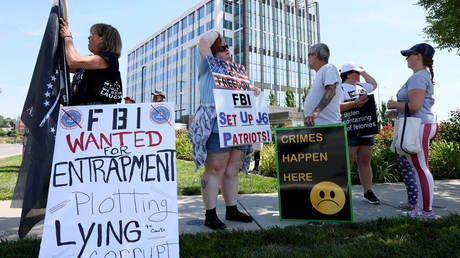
97 77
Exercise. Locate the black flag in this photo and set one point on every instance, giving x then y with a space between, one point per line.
40 115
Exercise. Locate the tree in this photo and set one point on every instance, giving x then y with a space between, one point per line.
382 114
12 133
290 100
305 91
443 17
272 98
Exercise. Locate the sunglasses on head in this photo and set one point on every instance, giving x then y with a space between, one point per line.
223 48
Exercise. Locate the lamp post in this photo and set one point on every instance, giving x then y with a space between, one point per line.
142 84
180 97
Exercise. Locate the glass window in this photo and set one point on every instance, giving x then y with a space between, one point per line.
201 30
191 35
176 43
229 41
184 23
169 32
162 36
229 8
191 18
228 25
209 7
210 25
176 28
201 13
183 39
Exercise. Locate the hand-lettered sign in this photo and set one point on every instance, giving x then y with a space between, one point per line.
242 118
313 173
113 185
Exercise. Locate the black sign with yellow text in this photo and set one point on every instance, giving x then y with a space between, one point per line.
313 173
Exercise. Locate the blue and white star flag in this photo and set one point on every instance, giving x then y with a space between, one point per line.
39 115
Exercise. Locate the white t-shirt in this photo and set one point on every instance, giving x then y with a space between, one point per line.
326 75
350 91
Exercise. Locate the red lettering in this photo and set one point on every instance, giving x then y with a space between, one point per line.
77 142
138 140
241 138
91 139
151 143
121 134
109 143
235 140
264 136
253 137
258 136
246 138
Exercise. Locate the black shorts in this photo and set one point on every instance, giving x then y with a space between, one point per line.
354 141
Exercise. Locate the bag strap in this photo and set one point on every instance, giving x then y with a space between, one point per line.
406 114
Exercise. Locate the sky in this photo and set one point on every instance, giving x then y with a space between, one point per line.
370 33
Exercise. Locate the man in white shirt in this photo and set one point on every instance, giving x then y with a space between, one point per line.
322 104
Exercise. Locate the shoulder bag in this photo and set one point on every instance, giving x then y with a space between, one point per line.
406 134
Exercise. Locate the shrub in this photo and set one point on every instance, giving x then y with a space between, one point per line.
450 130
183 145
444 159
384 164
268 160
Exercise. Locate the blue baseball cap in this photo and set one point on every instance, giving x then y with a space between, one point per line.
422 48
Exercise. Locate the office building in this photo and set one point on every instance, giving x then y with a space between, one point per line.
271 38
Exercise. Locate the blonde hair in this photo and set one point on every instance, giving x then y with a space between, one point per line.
112 39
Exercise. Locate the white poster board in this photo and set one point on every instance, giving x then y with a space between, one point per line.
242 118
113 188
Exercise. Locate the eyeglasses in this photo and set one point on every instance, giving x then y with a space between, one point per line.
222 48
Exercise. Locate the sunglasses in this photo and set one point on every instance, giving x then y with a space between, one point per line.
222 48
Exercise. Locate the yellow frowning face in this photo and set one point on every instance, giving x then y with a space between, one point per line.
327 197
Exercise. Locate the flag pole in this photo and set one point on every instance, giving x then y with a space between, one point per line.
66 99
66 17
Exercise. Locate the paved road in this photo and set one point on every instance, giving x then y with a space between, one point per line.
7 150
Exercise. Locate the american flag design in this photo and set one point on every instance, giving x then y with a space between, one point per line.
229 75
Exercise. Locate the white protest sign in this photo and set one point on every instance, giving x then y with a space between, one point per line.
113 185
242 118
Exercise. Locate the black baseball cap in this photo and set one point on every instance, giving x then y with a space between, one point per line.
422 48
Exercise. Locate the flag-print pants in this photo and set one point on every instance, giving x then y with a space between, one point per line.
416 173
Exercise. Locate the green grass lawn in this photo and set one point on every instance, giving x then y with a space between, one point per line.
188 182
389 237
9 168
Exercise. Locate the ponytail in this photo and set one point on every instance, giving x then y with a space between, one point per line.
428 62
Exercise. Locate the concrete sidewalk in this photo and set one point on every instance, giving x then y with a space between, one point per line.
264 209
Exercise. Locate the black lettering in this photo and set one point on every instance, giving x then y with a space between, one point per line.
135 231
57 225
92 119
85 238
